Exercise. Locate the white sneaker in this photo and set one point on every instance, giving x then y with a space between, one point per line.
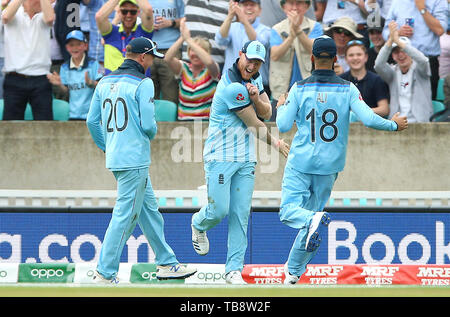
234 277
319 221
177 271
99 279
289 279
200 241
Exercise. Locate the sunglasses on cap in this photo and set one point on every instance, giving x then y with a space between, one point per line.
341 30
125 12
355 42
151 49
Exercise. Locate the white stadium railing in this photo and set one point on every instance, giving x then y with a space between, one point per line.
182 199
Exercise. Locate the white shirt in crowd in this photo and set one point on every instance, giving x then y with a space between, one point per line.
27 44
404 95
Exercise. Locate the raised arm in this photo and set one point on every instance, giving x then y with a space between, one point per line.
101 17
10 11
146 14
204 56
171 56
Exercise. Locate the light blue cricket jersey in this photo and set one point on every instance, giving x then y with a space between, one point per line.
320 105
171 10
80 94
121 118
228 139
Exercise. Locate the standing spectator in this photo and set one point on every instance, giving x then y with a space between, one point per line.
233 35
423 22
444 58
67 19
290 48
342 31
117 37
383 6
27 25
167 15
377 40
78 76
408 80
125 138
373 89
335 9
230 157
198 77
320 103
96 50
216 11
272 12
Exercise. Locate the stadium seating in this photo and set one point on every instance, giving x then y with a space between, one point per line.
440 90
60 110
438 106
165 110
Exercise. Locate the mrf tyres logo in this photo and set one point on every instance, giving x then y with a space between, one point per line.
46 273
267 274
435 276
379 275
323 275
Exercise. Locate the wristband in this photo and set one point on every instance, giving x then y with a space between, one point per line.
174 23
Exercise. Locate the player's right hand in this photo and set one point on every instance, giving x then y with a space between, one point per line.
402 122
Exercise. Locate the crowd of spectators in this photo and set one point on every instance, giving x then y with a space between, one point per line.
396 52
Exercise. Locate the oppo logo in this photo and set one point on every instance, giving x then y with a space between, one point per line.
47 273
149 275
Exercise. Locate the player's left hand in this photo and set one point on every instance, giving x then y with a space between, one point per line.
283 147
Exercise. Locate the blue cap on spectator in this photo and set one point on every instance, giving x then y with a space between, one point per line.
255 1
254 50
324 46
77 35
143 45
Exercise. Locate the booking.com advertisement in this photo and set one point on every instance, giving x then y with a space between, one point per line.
351 238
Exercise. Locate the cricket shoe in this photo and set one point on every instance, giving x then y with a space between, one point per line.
174 272
319 221
289 278
234 277
99 279
200 241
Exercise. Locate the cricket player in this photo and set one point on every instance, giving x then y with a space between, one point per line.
320 105
121 120
230 157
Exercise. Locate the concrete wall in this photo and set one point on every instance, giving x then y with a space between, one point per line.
62 155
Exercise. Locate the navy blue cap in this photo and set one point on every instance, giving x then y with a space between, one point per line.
77 35
141 45
324 46
256 1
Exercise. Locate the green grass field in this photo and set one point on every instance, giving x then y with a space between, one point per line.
46 290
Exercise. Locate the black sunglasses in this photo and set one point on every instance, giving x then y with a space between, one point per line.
341 30
125 12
